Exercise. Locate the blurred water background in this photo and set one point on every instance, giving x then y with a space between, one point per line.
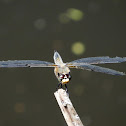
33 29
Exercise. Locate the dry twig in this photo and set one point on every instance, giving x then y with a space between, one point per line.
68 111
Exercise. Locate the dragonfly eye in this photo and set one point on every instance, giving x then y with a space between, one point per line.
62 76
67 75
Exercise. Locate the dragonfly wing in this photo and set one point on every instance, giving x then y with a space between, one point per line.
97 69
57 58
25 63
99 60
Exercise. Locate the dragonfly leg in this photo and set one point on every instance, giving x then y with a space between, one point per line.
59 86
66 88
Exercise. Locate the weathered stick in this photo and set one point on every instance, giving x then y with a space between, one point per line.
68 111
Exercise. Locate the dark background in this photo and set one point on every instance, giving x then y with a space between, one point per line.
32 29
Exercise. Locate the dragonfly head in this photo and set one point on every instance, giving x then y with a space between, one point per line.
64 78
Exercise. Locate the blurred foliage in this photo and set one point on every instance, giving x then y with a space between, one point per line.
19 107
40 24
71 14
78 48
75 14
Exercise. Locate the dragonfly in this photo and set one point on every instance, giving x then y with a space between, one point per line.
62 70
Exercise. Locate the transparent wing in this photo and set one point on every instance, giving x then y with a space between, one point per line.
25 63
98 69
57 58
98 60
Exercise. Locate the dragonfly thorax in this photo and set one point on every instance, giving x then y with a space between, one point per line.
63 74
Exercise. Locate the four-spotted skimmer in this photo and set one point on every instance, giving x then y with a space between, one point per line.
62 70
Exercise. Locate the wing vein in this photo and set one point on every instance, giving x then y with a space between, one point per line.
25 63
98 60
98 69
